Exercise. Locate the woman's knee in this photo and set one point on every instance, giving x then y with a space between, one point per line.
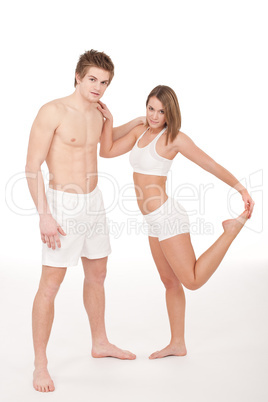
170 282
191 285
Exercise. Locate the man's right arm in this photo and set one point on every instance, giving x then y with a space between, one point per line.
41 136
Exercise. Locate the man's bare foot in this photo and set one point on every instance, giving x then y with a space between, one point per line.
109 350
233 226
170 350
42 381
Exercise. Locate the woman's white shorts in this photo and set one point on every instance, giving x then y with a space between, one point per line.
83 219
168 220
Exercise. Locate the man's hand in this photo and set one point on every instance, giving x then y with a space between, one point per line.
49 230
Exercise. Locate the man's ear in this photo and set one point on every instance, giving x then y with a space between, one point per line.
78 78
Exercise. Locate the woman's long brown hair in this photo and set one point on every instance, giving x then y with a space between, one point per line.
169 99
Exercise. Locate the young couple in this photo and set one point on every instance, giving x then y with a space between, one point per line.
65 135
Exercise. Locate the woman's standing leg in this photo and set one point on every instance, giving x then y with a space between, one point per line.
175 300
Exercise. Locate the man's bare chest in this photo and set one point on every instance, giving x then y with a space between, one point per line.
77 130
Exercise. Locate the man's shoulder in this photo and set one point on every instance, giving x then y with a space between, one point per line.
54 106
53 112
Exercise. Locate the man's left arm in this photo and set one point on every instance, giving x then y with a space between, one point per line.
120 131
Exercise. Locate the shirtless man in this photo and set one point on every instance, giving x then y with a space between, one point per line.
65 134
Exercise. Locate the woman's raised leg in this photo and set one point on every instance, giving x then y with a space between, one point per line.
194 273
175 300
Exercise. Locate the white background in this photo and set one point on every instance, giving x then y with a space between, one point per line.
214 55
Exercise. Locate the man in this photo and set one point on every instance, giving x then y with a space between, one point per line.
65 134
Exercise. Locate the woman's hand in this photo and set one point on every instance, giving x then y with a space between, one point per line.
105 111
248 201
143 120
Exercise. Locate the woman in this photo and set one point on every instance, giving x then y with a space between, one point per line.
153 151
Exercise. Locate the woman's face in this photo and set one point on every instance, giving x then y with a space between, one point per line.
155 113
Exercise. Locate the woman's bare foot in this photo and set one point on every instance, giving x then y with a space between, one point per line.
42 381
109 350
233 226
170 350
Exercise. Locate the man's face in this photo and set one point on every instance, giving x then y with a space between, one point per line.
94 84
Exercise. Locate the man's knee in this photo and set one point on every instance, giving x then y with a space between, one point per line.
50 284
96 274
99 277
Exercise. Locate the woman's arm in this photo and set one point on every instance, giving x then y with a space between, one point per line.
120 131
188 149
110 148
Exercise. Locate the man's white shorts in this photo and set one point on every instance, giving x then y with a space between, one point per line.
83 219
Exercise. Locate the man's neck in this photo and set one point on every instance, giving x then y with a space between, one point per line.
81 103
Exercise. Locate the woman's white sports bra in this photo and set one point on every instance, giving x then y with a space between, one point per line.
146 160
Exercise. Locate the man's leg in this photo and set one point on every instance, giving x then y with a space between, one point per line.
43 314
94 301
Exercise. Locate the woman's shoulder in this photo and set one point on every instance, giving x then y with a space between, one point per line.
179 137
138 130
181 140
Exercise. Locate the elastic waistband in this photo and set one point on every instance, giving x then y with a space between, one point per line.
59 193
170 207
159 211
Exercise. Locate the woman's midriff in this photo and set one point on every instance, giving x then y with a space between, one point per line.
150 191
